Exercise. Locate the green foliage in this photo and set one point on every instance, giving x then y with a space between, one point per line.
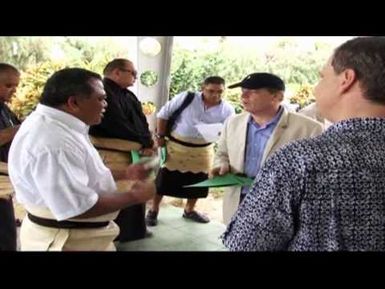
31 87
34 57
94 55
297 66
190 69
23 51
149 78
234 100
304 96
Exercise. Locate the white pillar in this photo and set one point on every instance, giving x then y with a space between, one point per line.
159 63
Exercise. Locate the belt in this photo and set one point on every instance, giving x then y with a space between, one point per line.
65 224
187 144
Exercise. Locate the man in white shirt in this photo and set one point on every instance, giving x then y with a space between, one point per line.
59 177
189 155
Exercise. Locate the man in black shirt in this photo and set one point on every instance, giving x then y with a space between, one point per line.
124 119
9 124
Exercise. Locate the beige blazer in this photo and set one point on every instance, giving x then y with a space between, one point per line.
232 143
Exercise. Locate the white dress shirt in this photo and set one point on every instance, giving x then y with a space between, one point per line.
195 114
53 164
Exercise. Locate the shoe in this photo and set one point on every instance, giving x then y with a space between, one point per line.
151 218
196 217
148 234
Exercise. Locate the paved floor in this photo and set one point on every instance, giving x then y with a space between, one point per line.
174 233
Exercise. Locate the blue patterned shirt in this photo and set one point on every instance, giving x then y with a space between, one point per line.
325 193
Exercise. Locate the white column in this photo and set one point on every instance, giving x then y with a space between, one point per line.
159 63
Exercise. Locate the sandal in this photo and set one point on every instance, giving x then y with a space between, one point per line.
196 217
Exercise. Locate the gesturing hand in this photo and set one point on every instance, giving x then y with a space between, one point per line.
137 172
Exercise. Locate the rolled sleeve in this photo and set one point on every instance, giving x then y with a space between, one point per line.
171 106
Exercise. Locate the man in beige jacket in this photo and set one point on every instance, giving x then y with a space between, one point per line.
249 138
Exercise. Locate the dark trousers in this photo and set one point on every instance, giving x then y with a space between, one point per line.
131 223
7 226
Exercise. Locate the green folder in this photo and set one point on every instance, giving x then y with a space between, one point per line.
163 155
135 157
224 181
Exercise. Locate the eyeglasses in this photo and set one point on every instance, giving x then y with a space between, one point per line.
133 72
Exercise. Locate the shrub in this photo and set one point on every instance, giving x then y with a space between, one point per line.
304 96
31 86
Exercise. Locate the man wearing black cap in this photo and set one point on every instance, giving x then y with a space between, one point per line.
249 138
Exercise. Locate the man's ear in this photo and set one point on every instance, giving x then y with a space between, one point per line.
348 78
115 72
279 95
72 103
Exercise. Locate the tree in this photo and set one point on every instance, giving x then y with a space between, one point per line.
298 66
38 65
31 87
24 51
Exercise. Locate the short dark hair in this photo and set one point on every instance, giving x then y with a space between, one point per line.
366 56
65 83
114 64
214 80
8 67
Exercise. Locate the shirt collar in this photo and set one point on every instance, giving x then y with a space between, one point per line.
113 85
63 117
274 120
202 102
363 124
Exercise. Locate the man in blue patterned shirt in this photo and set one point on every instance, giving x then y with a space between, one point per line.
326 193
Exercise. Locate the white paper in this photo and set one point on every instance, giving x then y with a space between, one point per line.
210 132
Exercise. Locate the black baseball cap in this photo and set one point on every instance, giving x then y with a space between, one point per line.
260 80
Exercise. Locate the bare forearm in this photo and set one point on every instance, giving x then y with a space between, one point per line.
118 174
132 172
139 193
161 126
108 204
7 134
